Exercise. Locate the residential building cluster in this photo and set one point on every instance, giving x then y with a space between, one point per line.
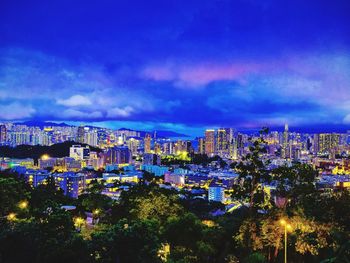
120 158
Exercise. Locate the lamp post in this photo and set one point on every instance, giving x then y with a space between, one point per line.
287 227
95 214
11 217
23 204
79 222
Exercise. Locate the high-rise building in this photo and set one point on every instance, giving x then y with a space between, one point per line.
201 146
147 143
327 142
157 148
81 134
209 142
117 155
240 141
315 144
133 145
234 149
221 141
169 148
151 159
285 145
91 137
19 138
3 134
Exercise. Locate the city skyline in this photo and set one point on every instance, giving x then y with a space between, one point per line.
174 131
177 66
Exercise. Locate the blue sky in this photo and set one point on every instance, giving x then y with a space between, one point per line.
183 65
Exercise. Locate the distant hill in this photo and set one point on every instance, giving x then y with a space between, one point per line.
160 134
42 124
170 134
28 151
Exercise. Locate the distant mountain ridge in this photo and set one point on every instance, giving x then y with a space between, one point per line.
43 124
159 134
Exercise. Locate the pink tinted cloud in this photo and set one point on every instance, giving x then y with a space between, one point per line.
200 75
159 73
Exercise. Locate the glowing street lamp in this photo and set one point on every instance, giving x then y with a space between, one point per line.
287 227
23 204
164 252
95 214
11 217
78 222
45 157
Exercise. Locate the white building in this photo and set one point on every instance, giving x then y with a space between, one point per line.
216 192
78 152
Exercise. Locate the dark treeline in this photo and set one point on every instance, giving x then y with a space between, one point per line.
29 151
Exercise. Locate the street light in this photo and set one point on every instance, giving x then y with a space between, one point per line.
78 222
11 217
45 157
23 204
287 227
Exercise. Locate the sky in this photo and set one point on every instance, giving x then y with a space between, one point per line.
177 65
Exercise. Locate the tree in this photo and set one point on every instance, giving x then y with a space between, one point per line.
93 200
294 183
46 196
19 242
12 191
253 172
52 238
129 242
192 241
143 202
308 236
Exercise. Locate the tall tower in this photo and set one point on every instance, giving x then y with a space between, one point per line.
201 146
147 143
285 145
3 134
81 134
221 141
209 142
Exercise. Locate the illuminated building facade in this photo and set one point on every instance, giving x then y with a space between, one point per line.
147 143
79 152
117 155
210 142
216 192
81 134
3 134
221 141
72 184
201 146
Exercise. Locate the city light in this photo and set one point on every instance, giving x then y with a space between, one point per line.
287 228
23 204
79 222
11 217
164 251
45 157
175 131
